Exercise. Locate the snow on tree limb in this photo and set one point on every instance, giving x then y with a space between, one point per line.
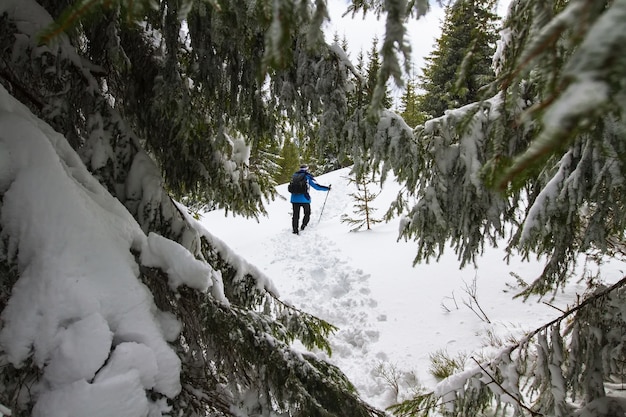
158 122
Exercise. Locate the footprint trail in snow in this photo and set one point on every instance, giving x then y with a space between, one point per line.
328 287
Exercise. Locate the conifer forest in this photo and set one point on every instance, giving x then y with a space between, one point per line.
121 118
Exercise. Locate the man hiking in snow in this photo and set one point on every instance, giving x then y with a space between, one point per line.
299 189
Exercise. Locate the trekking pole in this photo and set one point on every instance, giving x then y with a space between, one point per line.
324 205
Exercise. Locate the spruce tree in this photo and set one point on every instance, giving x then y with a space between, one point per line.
155 116
410 104
460 64
373 72
507 150
538 161
358 98
363 125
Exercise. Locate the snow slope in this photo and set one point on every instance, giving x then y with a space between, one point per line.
78 309
391 316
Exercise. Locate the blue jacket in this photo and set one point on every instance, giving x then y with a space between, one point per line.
306 198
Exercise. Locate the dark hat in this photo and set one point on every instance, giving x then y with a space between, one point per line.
304 167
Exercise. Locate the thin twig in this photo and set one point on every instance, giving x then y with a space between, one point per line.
471 291
554 307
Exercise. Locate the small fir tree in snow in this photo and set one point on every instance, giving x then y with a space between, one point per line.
363 211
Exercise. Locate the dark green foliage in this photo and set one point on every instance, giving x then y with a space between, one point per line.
68 14
361 125
473 167
248 350
278 370
358 98
579 152
193 103
547 136
460 65
410 105
156 117
454 205
421 405
289 163
372 73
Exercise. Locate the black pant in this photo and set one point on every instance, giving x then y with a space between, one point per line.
296 215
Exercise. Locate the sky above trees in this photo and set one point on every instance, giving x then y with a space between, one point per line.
360 30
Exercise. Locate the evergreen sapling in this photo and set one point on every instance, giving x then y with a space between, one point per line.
363 199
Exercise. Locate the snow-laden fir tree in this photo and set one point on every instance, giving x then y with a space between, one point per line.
120 109
539 161
155 112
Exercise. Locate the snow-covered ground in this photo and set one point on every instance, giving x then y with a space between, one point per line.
391 316
86 320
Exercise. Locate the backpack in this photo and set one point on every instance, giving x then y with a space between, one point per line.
298 184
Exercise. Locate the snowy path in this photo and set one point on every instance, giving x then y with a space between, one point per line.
390 315
315 272
327 286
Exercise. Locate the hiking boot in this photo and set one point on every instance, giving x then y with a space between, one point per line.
295 232
302 227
